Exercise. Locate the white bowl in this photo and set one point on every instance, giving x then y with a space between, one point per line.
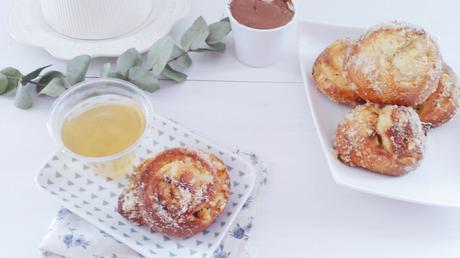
95 19
27 25
258 47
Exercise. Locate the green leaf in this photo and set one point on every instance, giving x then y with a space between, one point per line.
181 57
77 69
3 83
116 75
46 78
170 73
159 54
129 59
31 76
23 100
13 75
143 79
105 70
184 61
218 47
218 31
195 36
54 88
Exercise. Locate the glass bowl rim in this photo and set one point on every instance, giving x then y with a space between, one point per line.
145 105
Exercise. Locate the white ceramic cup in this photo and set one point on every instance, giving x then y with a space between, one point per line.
95 19
258 47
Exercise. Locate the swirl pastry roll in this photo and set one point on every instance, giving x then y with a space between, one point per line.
443 104
395 63
330 76
385 139
179 192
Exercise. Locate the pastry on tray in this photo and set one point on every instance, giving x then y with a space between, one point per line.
443 104
330 77
395 63
385 139
179 192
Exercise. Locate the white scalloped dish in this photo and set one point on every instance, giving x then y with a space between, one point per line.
435 182
27 26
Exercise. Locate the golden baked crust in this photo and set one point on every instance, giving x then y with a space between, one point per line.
128 201
387 140
395 63
330 77
179 192
443 104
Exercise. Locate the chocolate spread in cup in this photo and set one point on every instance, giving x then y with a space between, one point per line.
262 14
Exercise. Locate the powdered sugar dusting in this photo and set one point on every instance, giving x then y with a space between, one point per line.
179 196
397 25
383 139
396 59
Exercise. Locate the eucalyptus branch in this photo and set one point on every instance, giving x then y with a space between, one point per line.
177 57
25 81
199 38
34 83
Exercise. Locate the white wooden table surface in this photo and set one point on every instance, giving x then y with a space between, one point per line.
261 110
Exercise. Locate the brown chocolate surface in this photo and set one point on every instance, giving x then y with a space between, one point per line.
261 14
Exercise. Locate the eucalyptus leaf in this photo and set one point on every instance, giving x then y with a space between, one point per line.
46 78
218 31
77 69
129 59
33 75
105 70
144 79
181 57
184 61
3 83
218 47
159 54
194 37
115 75
54 88
23 100
13 75
170 73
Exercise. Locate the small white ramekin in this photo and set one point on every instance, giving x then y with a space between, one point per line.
95 19
258 47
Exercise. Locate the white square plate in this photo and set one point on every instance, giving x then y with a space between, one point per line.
95 198
435 182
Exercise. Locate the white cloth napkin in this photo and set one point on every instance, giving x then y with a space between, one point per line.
69 236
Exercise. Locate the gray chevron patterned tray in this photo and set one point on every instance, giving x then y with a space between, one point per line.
94 198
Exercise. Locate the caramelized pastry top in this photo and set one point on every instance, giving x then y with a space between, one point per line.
330 76
384 139
179 192
395 63
443 104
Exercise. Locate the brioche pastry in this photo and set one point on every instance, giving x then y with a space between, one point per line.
385 139
395 63
443 104
179 192
330 76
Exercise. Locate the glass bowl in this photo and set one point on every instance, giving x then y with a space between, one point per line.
95 92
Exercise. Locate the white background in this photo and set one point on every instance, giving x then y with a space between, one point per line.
261 110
